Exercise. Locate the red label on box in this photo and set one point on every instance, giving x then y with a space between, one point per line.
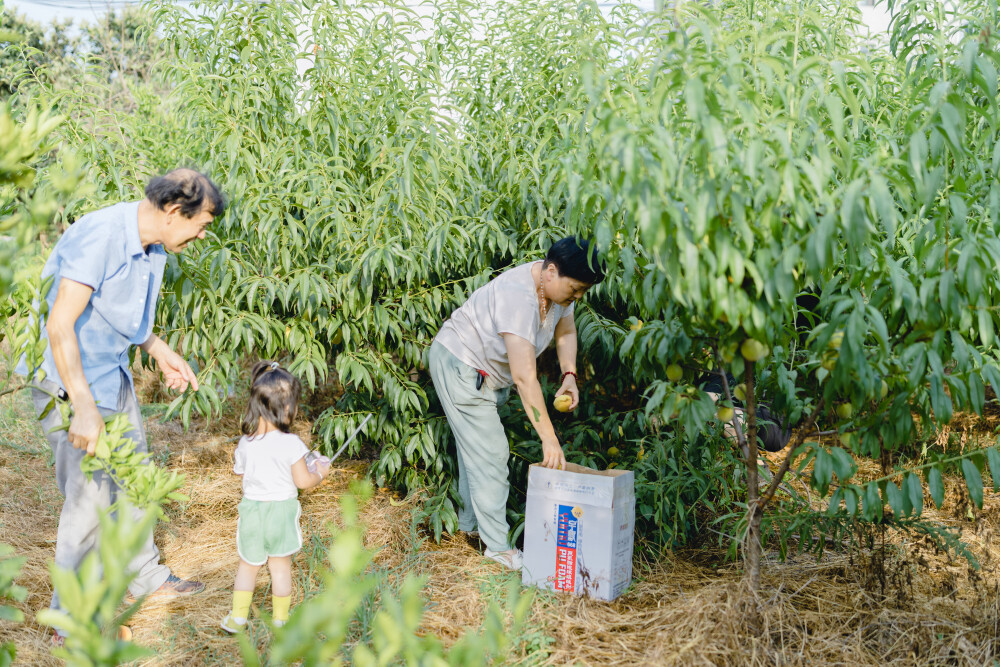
566 537
565 569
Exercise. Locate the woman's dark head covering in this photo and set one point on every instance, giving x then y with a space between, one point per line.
575 258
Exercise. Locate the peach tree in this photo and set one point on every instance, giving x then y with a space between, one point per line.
816 219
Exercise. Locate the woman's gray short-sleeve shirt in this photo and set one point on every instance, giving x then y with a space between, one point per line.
506 304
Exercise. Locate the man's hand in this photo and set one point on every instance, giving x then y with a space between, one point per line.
86 428
552 454
176 372
570 389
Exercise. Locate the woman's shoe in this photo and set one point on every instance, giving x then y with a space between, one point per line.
511 558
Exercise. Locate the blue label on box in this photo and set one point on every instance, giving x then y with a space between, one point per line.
568 526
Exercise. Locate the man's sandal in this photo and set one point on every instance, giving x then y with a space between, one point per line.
173 587
59 641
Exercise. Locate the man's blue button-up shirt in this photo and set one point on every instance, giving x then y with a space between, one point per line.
102 250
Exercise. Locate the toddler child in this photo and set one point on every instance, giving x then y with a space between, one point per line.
272 463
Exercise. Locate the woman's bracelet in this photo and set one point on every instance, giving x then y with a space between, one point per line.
563 378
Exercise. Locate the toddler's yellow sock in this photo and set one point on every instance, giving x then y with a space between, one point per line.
241 605
280 605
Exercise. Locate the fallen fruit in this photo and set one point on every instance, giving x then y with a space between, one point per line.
562 403
612 451
753 350
674 372
725 414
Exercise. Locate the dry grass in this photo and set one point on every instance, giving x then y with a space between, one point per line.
912 607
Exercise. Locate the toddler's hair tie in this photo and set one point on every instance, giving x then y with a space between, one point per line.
274 365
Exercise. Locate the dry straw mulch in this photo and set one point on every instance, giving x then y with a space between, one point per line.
912 607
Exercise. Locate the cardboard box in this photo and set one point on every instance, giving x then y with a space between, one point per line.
579 526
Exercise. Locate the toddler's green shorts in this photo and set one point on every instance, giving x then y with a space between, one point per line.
268 528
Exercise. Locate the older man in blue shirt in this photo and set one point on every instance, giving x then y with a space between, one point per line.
107 269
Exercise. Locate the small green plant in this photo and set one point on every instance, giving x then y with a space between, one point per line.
92 595
21 326
319 629
146 485
10 567
27 203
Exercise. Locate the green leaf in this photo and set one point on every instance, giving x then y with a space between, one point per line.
851 500
951 121
843 464
896 499
872 506
47 409
915 493
102 450
973 482
993 458
11 614
834 506
935 485
990 372
822 470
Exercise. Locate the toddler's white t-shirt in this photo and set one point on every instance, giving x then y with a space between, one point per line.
266 465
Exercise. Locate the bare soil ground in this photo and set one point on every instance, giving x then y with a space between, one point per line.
905 605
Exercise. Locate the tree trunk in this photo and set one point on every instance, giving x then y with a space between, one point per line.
752 547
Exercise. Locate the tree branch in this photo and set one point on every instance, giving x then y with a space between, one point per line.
12 390
740 438
800 436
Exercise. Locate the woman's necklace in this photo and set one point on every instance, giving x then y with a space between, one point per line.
544 303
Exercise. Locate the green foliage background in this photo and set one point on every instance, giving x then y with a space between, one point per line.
384 162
